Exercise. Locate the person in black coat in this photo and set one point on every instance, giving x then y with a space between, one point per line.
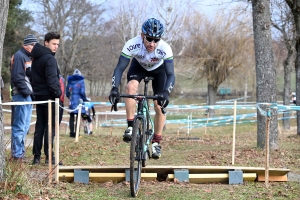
46 85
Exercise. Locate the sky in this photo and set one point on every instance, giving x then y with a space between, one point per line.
209 7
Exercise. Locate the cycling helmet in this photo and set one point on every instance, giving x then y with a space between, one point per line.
153 28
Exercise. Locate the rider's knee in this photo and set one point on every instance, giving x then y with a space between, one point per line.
132 86
157 109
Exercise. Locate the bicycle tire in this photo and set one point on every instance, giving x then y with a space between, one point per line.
136 151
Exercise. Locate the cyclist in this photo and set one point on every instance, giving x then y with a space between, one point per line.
87 114
151 56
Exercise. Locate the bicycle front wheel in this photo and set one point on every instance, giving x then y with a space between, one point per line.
136 156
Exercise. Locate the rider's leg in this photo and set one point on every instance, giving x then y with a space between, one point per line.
159 119
159 122
130 103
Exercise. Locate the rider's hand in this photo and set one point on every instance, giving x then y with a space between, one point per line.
114 96
163 99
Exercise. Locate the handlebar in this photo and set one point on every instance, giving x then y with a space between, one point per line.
138 97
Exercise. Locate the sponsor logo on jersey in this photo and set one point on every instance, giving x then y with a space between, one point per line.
140 56
154 59
133 47
161 52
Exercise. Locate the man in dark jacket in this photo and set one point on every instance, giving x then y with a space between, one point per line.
45 84
20 65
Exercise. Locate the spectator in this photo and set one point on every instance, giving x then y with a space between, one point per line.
21 90
75 91
46 85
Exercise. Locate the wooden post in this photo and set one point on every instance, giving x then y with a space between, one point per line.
67 128
56 140
279 129
188 131
78 123
97 121
233 133
50 140
267 149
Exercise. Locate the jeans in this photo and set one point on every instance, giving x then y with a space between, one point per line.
20 125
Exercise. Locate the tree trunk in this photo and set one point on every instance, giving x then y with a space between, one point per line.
296 14
4 4
212 93
295 8
287 65
265 72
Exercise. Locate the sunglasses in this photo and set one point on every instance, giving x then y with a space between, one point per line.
150 39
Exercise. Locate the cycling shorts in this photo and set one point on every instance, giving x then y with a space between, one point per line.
86 117
137 72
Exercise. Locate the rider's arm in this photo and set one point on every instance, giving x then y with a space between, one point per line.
169 67
121 66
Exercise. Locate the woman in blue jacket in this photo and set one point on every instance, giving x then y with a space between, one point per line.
75 91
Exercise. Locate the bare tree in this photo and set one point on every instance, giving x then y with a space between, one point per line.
295 9
4 5
265 72
127 18
218 47
173 14
282 20
75 20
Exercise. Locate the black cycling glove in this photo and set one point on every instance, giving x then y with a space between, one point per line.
163 99
114 97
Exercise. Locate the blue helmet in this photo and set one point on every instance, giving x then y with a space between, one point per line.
153 28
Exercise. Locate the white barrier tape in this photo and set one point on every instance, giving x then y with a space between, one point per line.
24 102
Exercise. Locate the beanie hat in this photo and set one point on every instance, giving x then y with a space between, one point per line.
77 72
29 39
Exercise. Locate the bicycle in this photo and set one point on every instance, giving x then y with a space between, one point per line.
142 134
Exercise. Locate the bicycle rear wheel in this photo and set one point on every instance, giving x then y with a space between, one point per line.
136 154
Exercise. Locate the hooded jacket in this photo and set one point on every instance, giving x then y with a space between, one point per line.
19 64
44 74
75 91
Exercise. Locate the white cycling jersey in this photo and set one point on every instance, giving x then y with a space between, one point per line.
148 60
